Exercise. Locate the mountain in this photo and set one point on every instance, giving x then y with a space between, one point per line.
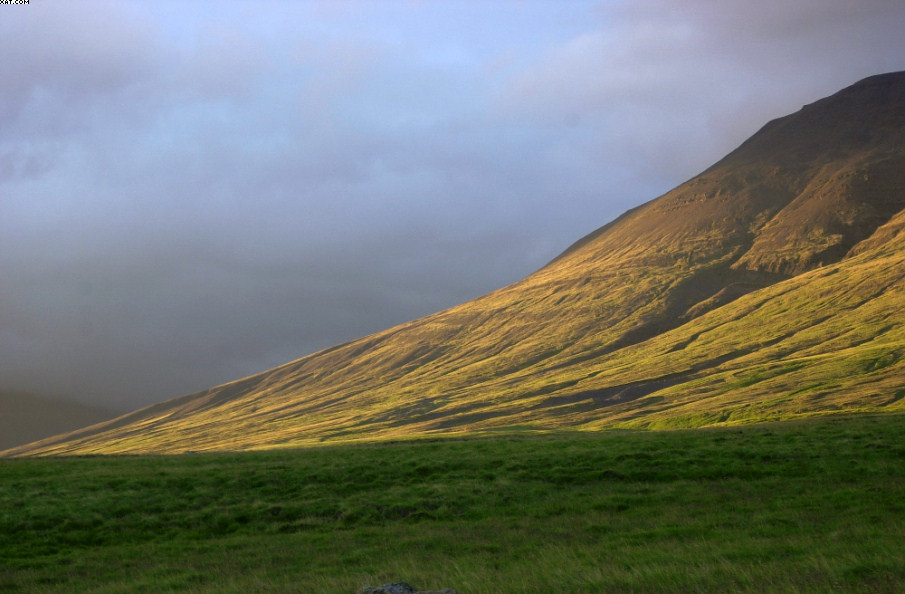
770 286
26 417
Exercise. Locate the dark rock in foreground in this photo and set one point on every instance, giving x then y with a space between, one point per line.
402 588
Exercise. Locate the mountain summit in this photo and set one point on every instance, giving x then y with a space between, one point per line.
770 286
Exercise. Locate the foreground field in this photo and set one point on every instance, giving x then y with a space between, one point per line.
806 506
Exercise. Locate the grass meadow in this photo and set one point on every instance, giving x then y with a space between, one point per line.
802 506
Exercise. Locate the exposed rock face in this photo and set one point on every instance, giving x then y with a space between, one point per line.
402 588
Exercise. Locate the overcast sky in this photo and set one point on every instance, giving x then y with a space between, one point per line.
191 192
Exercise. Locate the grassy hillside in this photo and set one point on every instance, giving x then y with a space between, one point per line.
768 287
802 506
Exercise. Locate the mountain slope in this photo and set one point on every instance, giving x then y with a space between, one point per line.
768 286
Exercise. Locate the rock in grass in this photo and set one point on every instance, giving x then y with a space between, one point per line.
399 588
402 588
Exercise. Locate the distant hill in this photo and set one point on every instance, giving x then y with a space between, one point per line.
25 417
770 286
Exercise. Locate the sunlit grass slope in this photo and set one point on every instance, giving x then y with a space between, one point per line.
770 286
802 506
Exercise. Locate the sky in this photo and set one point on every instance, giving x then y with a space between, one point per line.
192 192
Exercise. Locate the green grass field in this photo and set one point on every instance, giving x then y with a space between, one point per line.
810 506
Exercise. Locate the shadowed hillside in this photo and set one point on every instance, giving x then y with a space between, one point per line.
768 287
26 417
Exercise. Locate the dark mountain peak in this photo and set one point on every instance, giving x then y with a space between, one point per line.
844 161
886 87
865 115
869 100
800 193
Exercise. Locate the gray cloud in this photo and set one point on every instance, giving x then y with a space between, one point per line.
656 74
190 194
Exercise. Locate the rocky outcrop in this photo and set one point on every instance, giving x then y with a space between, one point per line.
402 588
